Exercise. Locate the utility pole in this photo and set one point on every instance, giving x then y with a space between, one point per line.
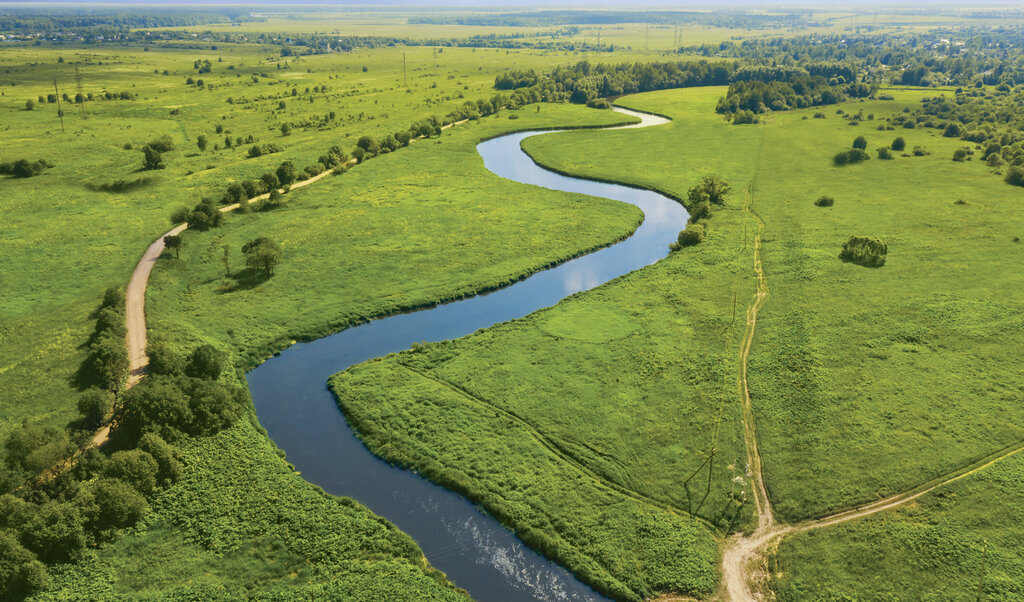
81 93
405 72
647 30
60 113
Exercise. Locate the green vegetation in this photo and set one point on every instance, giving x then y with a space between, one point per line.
959 542
634 422
865 251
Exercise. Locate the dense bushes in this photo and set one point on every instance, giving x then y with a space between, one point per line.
825 201
24 168
868 252
710 191
1014 176
204 216
849 157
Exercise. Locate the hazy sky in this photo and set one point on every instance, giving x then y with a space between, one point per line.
550 4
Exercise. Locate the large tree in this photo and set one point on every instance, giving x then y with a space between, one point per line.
711 189
262 254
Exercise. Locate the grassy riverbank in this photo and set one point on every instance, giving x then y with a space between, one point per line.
65 240
852 375
356 245
612 398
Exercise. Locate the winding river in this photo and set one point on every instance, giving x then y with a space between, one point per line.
300 414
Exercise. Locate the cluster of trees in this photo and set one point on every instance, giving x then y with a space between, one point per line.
700 199
107 364
25 168
267 149
794 92
988 118
865 251
152 153
56 501
962 57
262 255
583 82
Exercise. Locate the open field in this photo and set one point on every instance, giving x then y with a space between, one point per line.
652 359
65 241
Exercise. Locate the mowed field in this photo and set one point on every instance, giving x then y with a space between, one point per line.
865 382
65 241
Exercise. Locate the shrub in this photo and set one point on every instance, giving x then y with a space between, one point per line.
262 254
825 201
598 103
884 153
898 144
205 362
865 251
920 151
960 155
860 142
694 234
151 158
110 361
135 467
169 469
711 189
55 532
850 157
1014 175
819 115
286 173
952 130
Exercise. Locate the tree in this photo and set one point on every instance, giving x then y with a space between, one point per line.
693 234
286 129
262 254
286 173
358 154
173 242
164 360
151 158
860 142
369 145
270 181
711 189
898 144
865 251
21 573
884 153
952 130
213 408
110 362
201 142
135 467
205 362
118 504
55 532
403 138
29 105
94 405
169 469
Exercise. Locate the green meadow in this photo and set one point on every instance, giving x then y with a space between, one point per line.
65 240
851 372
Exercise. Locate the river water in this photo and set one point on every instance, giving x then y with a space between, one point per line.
300 414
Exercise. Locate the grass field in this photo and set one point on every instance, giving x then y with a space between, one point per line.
633 384
65 242
854 367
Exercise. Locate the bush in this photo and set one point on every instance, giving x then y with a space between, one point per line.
135 467
55 532
952 130
262 254
860 142
110 361
711 189
960 155
205 362
825 201
169 469
694 234
164 360
920 151
162 144
597 103
850 157
898 144
117 505
861 250
94 405
885 154
1014 176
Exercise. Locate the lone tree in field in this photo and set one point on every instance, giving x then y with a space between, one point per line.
151 158
865 251
29 105
711 189
898 144
201 142
860 142
262 255
173 242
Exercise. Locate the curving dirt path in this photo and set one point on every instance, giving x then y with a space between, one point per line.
135 294
745 573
